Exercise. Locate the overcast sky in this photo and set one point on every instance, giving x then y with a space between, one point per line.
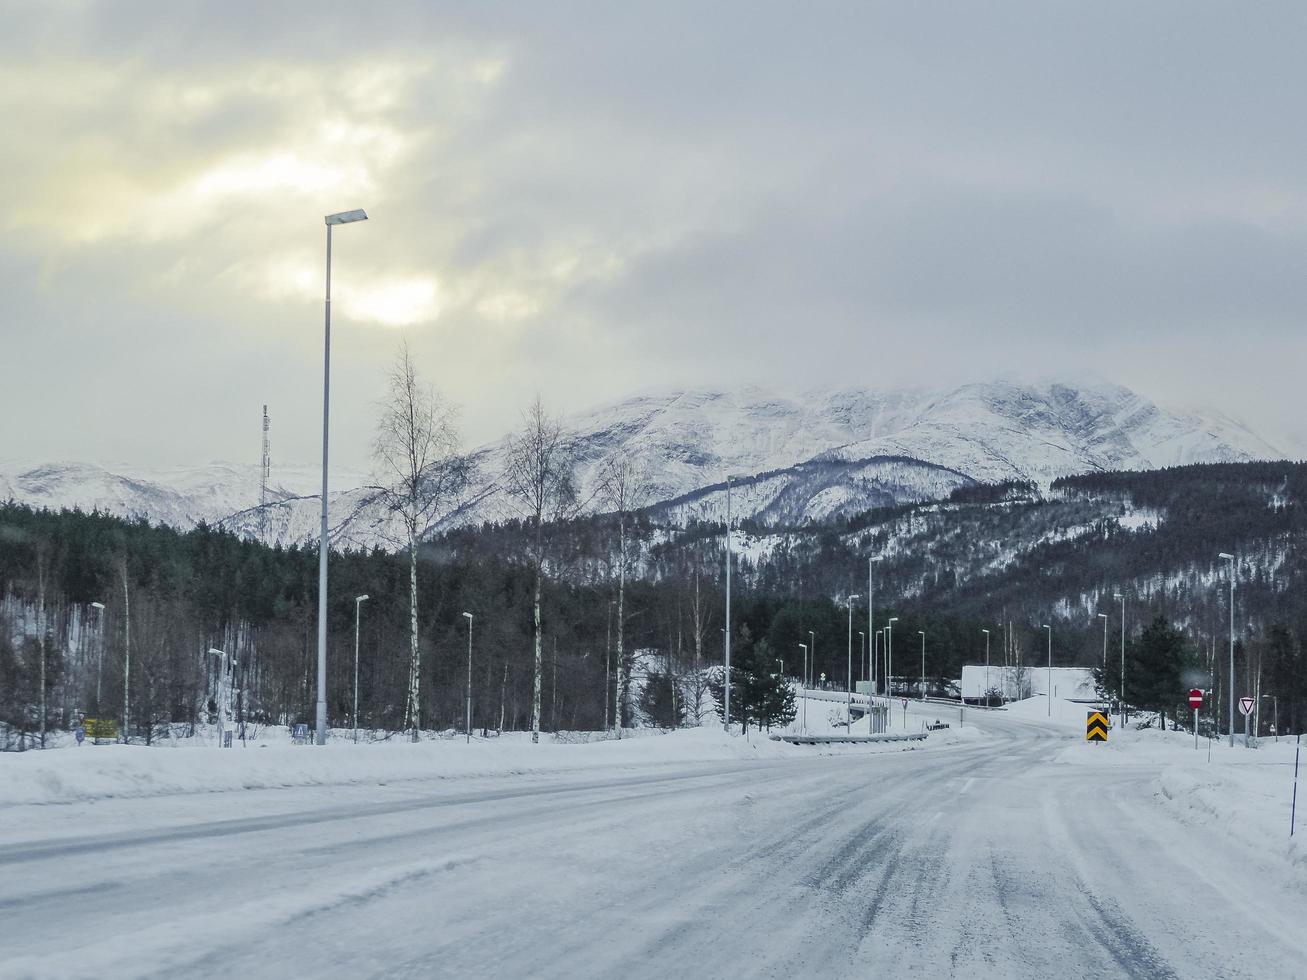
595 199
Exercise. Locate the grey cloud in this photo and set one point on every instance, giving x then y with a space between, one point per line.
742 188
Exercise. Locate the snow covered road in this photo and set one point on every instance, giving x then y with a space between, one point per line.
989 858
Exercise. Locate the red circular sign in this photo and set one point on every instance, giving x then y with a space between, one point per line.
1195 698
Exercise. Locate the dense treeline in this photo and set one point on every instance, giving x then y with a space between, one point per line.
1005 560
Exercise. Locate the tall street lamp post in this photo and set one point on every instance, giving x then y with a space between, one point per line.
812 657
804 723
468 617
986 632
878 652
848 712
1103 617
99 654
358 601
923 665
1230 559
863 665
726 690
871 620
889 656
1050 668
341 218
1118 595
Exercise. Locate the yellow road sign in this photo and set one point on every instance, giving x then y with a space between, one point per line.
1096 727
98 728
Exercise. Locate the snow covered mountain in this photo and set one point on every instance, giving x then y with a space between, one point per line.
815 455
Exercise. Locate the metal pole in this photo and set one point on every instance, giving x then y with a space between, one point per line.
321 714
987 686
848 711
863 665
358 603
923 665
1230 559
343 217
726 695
804 723
1121 596
1232 656
608 652
871 621
1049 627
812 657
889 656
469 674
1293 807
99 660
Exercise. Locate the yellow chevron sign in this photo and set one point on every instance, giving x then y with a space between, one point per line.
1096 727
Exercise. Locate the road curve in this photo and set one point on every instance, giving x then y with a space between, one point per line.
989 859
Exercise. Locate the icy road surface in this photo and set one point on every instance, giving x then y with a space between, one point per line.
990 858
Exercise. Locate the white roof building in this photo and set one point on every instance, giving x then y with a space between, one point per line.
1014 683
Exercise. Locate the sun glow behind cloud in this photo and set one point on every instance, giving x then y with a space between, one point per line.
393 302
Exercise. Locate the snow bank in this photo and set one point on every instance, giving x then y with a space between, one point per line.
116 771
1245 793
1065 714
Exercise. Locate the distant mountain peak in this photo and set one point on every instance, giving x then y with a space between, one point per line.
816 453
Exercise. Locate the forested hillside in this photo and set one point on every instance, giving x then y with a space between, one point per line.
1001 557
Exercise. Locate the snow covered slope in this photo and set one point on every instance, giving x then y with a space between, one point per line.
816 455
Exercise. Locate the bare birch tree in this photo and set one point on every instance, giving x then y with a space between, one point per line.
540 477
701 617
416 455
624 487
42 571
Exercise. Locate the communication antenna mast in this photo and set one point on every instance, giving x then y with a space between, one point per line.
264 471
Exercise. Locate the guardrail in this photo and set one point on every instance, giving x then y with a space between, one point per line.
842 739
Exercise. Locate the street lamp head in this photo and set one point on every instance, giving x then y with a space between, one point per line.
1117 595
1102 615
803 646
893 619
346 217
1227 557
922 632
986 632
98 605
467 616
214 650
1045 626
361 598
852 598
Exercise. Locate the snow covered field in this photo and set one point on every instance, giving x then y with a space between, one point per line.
1008 849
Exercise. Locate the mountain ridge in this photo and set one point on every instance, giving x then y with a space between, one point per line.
817 455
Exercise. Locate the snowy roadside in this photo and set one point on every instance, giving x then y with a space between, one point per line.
1244 794
118 771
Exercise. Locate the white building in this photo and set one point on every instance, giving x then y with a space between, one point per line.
1015 683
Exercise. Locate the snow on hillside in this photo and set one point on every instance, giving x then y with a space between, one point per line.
812 456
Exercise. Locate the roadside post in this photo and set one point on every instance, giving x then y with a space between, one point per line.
1293 807
1195 702
905 712
1246 706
